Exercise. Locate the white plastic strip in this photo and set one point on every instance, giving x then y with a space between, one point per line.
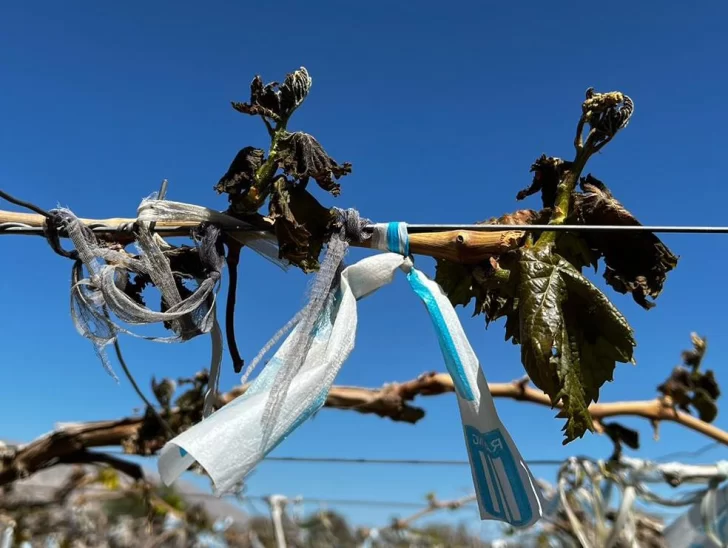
232 441
688 531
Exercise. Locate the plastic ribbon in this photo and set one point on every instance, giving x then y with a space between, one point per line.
505 487
705 524
231 441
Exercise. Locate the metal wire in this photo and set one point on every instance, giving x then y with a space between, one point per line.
19 228
419 228
353 460
408 462
26 230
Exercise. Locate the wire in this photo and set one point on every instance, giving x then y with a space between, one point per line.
415 228
344 460
351 502
27 205
415 462
135 386
689 454
412 229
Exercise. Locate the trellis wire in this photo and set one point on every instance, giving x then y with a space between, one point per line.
21 228
27 230
354 460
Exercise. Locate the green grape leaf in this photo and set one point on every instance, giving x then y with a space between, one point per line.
575 250
571 335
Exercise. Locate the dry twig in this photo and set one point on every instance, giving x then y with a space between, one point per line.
70 443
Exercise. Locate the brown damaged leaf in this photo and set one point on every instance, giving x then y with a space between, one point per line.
621 435
301 224
520 217
547 173
302 157
689 387
636 263
241 173
277 101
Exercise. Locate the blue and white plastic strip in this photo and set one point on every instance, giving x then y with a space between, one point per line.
504 485
233 440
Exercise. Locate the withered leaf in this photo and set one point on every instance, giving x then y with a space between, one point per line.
135 289
620 434
513 324
571 335
707 382
705 405
607 113
241 173
456 281
688 386
636 263
694 357
183 260
678 387
276 101
163 391
520 217
301 224
547 173
294 90
301 156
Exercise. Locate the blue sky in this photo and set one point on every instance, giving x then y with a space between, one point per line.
441 108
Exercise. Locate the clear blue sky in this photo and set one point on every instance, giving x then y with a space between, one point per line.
441 108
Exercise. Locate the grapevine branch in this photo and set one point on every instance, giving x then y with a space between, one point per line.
462 246
433 506
70 443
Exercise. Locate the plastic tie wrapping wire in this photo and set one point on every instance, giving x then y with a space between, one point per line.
100 291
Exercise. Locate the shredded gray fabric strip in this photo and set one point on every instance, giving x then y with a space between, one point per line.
320 292
94 299
263 243
321 298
